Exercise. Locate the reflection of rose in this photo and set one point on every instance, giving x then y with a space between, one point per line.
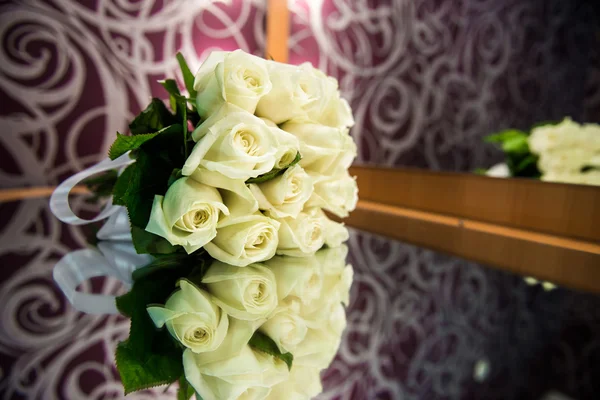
297 277
248 293
301 236
244 239
247 375
192 318
286 327
303 383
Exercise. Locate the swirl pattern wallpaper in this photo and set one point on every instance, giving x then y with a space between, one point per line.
427 79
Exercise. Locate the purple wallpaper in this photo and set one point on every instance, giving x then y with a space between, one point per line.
426 79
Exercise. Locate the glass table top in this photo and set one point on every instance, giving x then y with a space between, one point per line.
421 325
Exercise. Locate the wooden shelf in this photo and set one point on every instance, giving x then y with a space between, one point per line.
548 231
552 208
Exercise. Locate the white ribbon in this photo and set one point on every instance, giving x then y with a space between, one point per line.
116 226
116 256
59 201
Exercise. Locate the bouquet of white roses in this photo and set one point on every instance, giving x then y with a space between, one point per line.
555 152
244 293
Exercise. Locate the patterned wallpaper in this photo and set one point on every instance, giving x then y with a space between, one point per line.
426 78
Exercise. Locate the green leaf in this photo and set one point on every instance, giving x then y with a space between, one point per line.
505 135
183 107
141 191
523 165
171 87
149 357
156 159
185 391
149 243
122 184
125 143
193 116
192 266
480 171
274 172
517 144
188 77
262 342
167 146
103 184
154 118
143 371
175 175
588 168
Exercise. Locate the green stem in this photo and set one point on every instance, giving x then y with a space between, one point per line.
185 128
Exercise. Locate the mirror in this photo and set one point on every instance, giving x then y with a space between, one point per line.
429 81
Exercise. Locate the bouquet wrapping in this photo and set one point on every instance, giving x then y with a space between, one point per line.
217 222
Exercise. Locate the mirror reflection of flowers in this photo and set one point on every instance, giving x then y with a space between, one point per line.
566 152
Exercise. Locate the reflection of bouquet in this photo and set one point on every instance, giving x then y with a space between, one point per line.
564 152
244 293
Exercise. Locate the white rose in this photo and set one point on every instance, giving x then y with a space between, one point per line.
304 383
285 195
337 194
288 147
318 348
301 236
568 160
337 275
585 178
334 233
325 150
295 90
305 92
297 277
336 113
565 135
234 143
336 283
333 259
285 326
235 193
323 338
248 293
244 239
230 77
331 109
192 318
249 375
187 215
326 324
